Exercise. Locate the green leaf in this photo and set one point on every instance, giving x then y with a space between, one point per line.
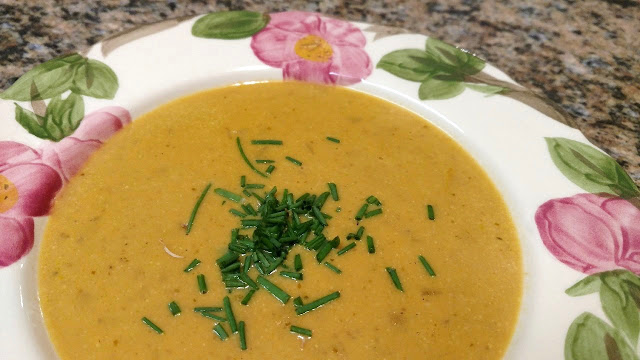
591 169
486 89
589 285
65 114
433 89
95 79
453 60
45 80
408 64
620 307
229 24
31 122
590 338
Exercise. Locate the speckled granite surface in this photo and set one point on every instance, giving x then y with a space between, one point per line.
584 55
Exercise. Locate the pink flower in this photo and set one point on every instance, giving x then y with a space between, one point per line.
591 233
68 155
310 47
30 179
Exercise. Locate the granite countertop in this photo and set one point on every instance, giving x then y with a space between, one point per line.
583 55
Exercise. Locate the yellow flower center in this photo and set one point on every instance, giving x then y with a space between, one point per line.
8 194
313 48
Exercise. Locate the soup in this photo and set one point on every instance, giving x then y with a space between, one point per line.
435 271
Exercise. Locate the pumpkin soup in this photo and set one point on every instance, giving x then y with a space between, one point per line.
280 221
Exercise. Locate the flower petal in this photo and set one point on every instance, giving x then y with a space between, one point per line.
341 33
275 47
16 238
301 22
101 124
305 70
628 216
37 184
68 155
15 153
349 65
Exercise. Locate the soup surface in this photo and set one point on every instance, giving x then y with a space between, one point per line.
103 264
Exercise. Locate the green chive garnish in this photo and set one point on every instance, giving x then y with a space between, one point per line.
207 309
266 142
246 279
237 213
244 157
202 284
427 266
301 331
174 308
246 193
254 186
243 336
274 290
265 161
394 277
153 326
192 265
297 301
370 247
359 233
291 275
337 141
317 303
338 209
332 267
373 213
334 191
221 332
297 262
226 303
319 215
297 162
324 250
212 316
346 248
270 169
361 212
373 200
243 180
196 207
430 212
228 194
247 298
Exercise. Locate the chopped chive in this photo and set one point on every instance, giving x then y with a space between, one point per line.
361 212
430 212
274 290
174 308
334 191
394 277
427 266
324 250
243 181
319 215
265 161
243 336
299 330
153 326
266 142
332 267
212 316
297 301
270 169
227 259
373 213
337 141
250 223
229 312
192 265
196 207
231 268
317 303
370 247
245 278
254 186
207 309
338 209
297 262
347 248
291 275
244 157
246 193
247 298
297 162
202 284
221 332
228 194
248 208
237 213
359 233
373 200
